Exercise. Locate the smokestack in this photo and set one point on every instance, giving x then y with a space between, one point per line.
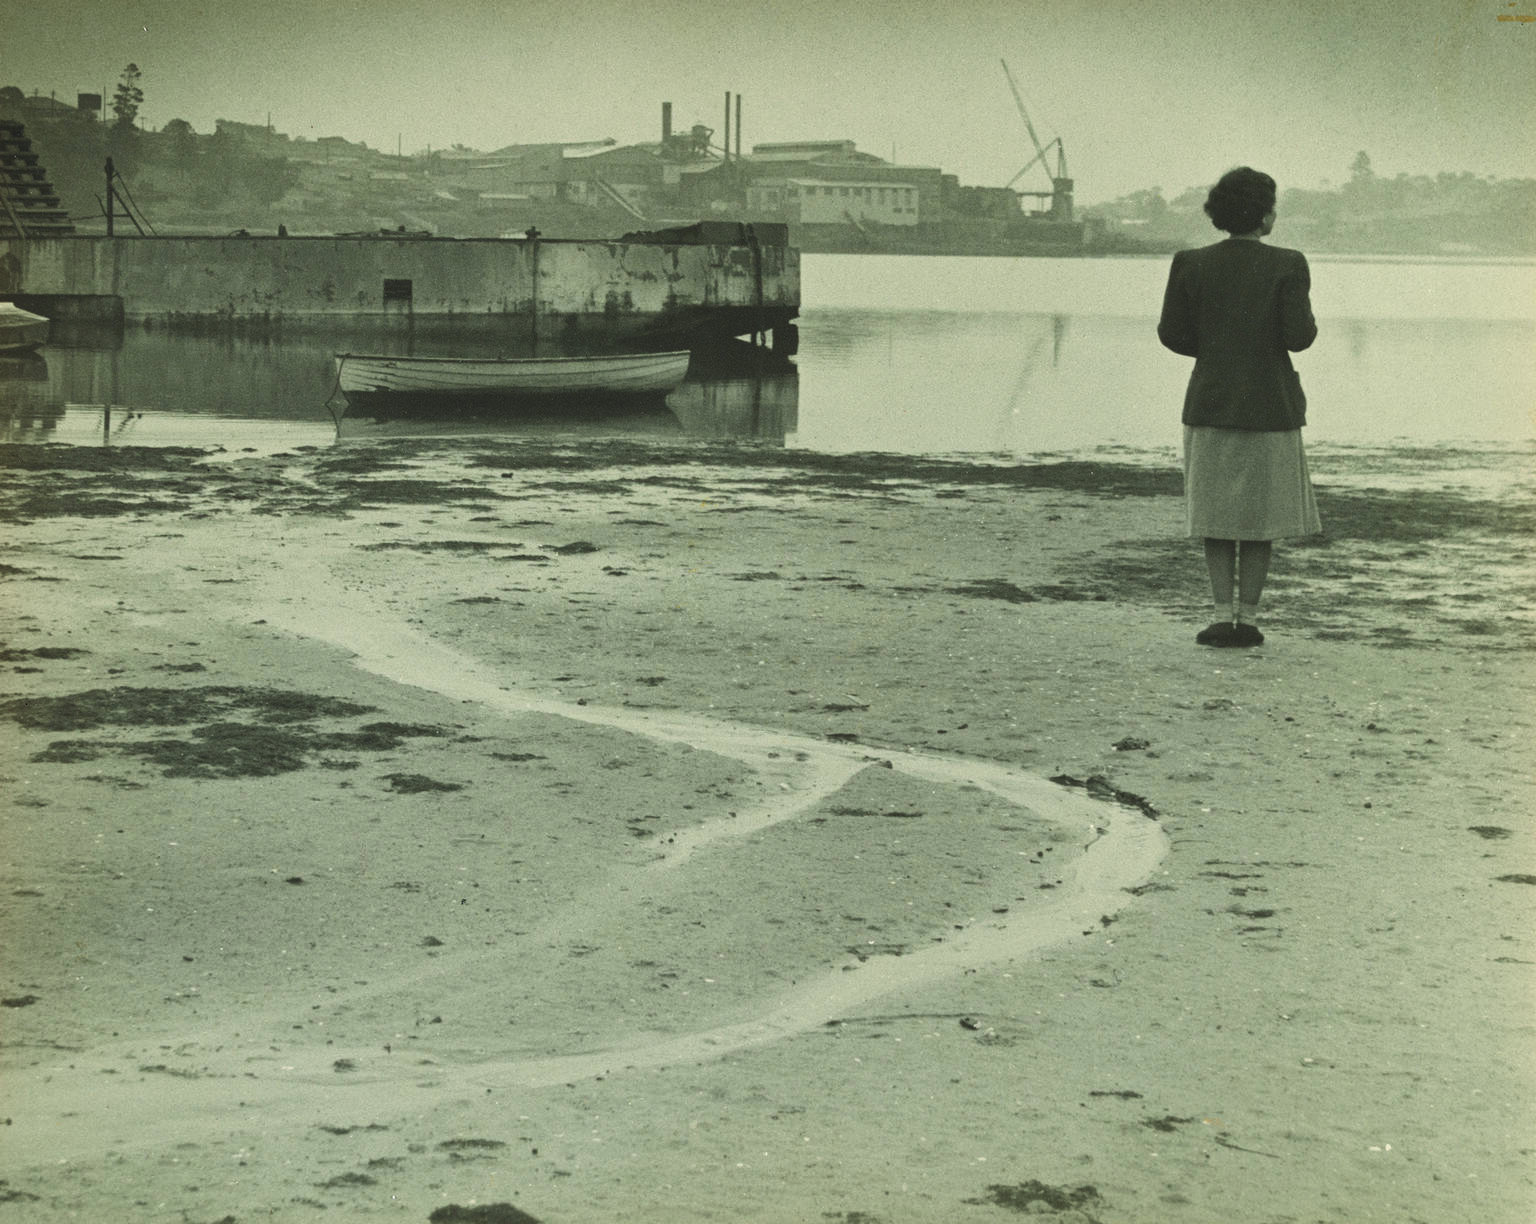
726 145
666 122
738 127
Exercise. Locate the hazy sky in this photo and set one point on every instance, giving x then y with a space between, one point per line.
1144 93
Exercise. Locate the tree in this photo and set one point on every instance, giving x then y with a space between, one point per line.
127 98
180 143
1145 205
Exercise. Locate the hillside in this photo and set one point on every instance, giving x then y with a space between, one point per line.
1446 214
247 177
243 177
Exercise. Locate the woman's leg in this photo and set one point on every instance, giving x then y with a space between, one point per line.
1221 561
1252 569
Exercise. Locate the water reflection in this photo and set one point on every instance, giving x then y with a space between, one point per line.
652 420
1024 358
731 390
24 391
980 382
738 391
155 388
114 425
938 382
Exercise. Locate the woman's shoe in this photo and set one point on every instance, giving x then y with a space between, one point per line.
1244 634
1219 634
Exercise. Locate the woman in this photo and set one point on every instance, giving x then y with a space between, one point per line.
1240 308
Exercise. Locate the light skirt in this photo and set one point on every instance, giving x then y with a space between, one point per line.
1247 484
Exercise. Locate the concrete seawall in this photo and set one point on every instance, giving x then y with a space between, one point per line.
544 289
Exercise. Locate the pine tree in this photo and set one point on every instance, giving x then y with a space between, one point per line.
128 98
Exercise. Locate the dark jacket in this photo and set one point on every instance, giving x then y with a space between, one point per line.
1240 308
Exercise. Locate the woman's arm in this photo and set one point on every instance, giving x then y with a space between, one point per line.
1176 327
1297 326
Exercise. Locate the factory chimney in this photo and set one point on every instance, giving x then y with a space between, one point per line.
726 145
666 122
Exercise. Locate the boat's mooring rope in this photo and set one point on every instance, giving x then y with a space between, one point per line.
335 387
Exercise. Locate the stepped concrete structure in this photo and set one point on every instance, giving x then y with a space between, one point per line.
29 206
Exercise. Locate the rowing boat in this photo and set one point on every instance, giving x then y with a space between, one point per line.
21 330
514 378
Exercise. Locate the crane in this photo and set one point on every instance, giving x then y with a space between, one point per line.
1060 194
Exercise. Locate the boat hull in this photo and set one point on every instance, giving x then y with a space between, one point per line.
21 330
564 380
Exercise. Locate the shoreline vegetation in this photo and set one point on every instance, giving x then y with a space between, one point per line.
506 829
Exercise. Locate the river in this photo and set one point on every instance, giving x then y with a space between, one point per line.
920 355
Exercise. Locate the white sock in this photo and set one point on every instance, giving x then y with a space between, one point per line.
1247 614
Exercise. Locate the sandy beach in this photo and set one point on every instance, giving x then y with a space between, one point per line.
484 829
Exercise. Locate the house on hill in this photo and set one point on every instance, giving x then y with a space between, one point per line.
633 177
835 202
259 135
35 110
831 182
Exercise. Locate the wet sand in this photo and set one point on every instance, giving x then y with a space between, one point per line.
655 832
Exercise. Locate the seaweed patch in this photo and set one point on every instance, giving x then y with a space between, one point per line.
232 732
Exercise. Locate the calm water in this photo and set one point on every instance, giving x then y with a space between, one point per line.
942 355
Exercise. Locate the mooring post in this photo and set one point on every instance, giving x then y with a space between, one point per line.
531 235
756 247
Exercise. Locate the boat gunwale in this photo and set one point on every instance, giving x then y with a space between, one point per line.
468 361
605 375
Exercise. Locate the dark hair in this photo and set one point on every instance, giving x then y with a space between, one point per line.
1240 200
